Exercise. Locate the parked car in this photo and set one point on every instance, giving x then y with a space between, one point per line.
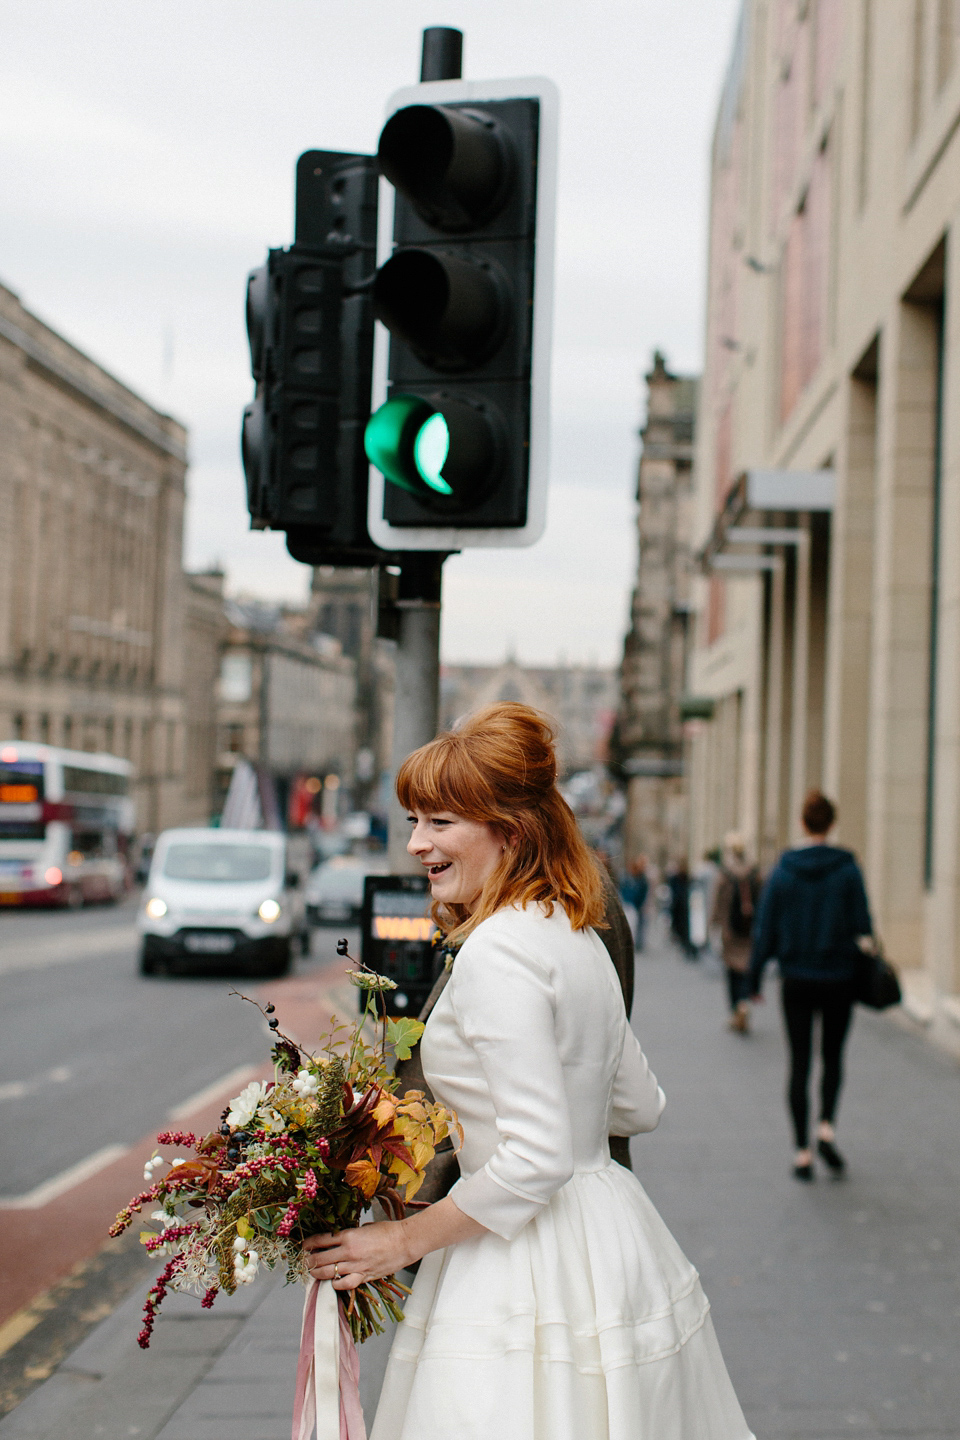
221 897
334 890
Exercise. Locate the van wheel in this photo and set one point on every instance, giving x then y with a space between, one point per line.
148 963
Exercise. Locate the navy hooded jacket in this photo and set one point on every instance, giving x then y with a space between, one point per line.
812 909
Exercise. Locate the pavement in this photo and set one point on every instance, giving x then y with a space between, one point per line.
837 1305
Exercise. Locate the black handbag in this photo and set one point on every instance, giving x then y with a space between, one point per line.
877 985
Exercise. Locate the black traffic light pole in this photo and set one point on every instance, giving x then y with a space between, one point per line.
417 696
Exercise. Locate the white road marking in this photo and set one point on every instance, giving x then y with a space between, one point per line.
64 949
60 1184
17 1088
231 1083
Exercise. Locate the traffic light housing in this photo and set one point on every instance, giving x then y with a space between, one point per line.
310 328
460 444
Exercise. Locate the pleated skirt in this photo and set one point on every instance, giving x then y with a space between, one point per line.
590 1325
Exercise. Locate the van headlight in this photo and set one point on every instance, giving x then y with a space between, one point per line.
156 908
269 911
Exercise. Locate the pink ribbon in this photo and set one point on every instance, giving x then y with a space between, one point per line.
328 1371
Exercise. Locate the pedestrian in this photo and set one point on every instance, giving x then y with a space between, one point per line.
733 913
552 1300
634 892
814 918
679 883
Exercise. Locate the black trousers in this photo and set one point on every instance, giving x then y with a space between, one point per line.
801 1000
738 986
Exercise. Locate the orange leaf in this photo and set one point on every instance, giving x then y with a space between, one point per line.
363 1177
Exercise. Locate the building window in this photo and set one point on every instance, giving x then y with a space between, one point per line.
68 731
235 739
19 727
236 678
45 729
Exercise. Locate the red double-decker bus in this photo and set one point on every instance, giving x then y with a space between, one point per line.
66 822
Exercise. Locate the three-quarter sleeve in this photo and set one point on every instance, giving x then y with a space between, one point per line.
505 1007
638 1100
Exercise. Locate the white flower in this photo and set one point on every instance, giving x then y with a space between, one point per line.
239 1244
244 1107
272 1121
164 1219
305 1084
245 1267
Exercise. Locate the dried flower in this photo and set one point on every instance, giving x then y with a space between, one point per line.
368 980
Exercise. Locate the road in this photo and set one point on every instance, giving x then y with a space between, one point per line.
92 1054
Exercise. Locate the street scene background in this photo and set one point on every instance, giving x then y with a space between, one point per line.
748 590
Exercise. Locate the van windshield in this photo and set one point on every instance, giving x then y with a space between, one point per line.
218 862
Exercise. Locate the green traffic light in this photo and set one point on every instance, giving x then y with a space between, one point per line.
409 441
430 451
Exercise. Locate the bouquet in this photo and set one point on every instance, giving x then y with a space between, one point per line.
308 1151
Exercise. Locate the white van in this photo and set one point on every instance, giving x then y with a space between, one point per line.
222 897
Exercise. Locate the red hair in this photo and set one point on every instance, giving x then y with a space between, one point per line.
499 767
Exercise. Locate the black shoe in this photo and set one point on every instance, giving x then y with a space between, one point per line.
831 1156
803 1172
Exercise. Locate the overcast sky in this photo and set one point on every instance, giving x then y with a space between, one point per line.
147 163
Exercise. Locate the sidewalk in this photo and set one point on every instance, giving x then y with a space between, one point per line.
837 1305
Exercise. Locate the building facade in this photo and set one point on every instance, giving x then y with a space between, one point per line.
286 700
648 740
581 699
91 588
828 459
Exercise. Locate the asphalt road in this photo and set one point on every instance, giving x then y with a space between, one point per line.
92 1054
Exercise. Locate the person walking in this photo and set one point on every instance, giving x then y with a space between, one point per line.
551 1299
679 883
734 911
634 892
815 919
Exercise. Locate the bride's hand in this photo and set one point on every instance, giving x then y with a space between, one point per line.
349 1257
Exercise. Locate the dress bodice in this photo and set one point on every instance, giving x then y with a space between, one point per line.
530 1045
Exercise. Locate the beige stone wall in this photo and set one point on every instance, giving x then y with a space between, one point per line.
91 595
833 336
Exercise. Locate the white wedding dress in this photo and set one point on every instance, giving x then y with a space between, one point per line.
576 1316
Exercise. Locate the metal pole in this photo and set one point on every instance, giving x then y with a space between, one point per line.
416 699
442 55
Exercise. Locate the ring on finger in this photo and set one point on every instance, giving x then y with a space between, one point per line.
336 1272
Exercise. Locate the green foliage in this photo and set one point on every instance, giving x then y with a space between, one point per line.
402 1035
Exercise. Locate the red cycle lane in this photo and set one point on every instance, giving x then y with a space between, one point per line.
42 1243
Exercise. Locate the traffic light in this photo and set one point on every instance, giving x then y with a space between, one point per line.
310 327
461 440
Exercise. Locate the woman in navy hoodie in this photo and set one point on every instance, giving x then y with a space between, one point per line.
813 912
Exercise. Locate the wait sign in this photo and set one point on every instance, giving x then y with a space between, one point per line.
397 939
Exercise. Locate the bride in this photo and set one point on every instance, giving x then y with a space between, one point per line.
552 1302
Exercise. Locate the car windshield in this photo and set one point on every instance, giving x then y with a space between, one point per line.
343 883
217 862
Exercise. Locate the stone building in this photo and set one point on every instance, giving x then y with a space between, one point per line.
648 744
205 632
91 587
344 604
286 699
582 699
828 459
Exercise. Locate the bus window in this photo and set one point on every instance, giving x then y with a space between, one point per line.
21 798
90 845
78 781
